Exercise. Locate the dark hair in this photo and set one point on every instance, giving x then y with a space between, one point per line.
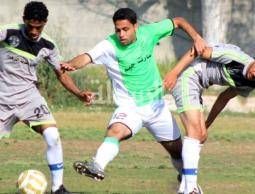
35 10
125 14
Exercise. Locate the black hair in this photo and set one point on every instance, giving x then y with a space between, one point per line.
36 10
125 14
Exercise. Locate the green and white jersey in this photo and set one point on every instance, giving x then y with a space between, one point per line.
19 57
132 68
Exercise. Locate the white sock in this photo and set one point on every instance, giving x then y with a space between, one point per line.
108 150
190 154
54 156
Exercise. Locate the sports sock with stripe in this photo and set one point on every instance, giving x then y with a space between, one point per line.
107 151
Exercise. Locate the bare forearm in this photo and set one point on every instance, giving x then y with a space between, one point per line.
219 105
184 61
180 22
79 61
68 83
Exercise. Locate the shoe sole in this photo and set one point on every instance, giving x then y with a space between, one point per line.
200 189
82 169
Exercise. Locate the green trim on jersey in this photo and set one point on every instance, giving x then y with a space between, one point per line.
18 51
230 80
232 54
137 65
11 26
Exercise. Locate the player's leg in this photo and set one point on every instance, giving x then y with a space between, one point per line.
174 149
7 120
187 95
191 148
124 124
165 130
36 115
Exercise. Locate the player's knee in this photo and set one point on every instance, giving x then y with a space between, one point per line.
51 136
118 131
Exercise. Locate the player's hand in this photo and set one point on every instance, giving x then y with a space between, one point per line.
87 97
66 67
200 45
169 81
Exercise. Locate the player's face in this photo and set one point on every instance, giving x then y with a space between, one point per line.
251 72
34 28
126 31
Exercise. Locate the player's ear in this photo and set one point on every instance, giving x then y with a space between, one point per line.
136 26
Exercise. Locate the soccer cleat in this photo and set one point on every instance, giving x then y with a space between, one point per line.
62 190
90 169
197 190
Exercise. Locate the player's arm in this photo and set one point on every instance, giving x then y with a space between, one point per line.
69 84
199 42
219 105
171 77
76 63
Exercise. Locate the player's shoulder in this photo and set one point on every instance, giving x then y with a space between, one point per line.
48 41
13 26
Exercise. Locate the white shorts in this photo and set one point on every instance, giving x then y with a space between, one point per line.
34 112
156 117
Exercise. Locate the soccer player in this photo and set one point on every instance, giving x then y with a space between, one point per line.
137 87
22 47
220 64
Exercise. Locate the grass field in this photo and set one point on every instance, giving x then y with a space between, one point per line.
142 167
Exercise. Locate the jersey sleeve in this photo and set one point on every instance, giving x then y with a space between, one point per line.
226 53
54 58
101 52
161 29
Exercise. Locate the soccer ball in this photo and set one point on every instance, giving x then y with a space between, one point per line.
32 182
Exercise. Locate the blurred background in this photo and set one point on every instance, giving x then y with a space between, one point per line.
77 25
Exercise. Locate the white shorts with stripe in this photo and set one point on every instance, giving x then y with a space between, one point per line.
156 117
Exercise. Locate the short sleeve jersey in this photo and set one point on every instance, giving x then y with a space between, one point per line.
132 68
228 66
19 57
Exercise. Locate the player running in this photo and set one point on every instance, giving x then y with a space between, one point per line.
220 64
137 87
22 47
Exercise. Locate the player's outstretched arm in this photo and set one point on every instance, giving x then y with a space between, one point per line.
86 96
76 63
171 77
219 104
199 42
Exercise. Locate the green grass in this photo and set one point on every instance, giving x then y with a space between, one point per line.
142 167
